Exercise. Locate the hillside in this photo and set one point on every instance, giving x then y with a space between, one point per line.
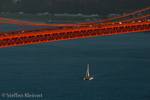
101 7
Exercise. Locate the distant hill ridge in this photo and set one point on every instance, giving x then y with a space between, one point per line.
73 6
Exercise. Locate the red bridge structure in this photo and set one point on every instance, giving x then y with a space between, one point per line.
133 22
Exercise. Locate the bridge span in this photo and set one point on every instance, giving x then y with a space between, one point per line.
133 22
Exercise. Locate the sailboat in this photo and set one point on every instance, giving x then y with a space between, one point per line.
88 77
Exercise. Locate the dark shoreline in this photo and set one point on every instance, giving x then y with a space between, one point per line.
45 20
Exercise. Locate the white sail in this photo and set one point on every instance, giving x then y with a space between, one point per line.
87 72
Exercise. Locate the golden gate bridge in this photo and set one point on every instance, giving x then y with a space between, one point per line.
134 22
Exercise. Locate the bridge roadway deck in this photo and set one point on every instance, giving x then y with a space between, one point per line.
71 33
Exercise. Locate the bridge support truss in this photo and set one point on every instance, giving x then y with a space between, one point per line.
73 33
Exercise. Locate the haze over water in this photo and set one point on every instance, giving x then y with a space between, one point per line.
120 65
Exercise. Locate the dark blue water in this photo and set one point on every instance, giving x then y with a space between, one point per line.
120 65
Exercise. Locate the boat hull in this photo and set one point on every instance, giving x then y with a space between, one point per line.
88 78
